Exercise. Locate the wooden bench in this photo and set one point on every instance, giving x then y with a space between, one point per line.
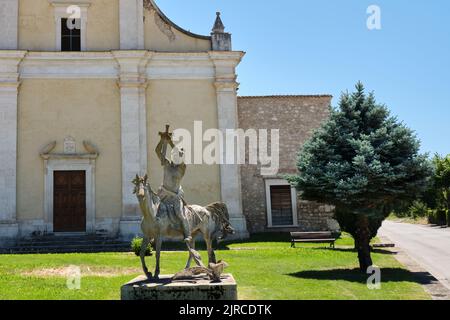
312 237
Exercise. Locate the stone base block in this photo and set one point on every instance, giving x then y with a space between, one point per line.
165 289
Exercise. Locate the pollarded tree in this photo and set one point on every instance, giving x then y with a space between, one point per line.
363 161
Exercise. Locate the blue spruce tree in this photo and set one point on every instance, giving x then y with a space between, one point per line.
363 161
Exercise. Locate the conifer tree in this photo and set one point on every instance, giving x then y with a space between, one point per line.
363 161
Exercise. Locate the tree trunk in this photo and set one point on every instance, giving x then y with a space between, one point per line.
362 242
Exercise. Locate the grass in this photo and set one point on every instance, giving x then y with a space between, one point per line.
263 269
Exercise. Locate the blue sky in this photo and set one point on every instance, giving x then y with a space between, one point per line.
324 46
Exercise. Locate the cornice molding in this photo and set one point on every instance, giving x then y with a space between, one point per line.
132 68
9 69
226 86
226 57
148 65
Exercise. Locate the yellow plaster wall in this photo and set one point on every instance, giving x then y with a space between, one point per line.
180 103
51 110
37 25
103 31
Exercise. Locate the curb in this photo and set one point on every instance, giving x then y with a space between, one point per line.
431 285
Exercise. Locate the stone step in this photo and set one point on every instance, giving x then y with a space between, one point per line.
66 249
67 238
61 251
68 244
63 247
72 242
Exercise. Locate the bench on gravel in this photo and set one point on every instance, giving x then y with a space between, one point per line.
312 237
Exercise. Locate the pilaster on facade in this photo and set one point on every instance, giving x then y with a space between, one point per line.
9 84
9 24
132 67
131 24
225 64
132 83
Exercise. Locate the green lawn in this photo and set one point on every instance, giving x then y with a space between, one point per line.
263 270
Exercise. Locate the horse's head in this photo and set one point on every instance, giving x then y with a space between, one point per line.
140 184
227 229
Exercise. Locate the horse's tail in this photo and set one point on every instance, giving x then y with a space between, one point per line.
219 212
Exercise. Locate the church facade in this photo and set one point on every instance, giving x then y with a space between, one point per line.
85 88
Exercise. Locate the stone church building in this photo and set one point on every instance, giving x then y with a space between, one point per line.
85 87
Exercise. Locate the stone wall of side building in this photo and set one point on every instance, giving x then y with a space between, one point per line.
296 117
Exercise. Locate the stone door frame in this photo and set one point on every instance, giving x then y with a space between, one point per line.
280 182
67 163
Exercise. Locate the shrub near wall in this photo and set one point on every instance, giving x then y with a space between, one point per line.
136 245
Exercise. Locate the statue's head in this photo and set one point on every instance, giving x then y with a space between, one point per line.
226 230
177 155
140 183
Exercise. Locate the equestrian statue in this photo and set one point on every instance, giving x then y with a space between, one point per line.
166 215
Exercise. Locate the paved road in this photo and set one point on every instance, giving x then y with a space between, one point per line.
429 246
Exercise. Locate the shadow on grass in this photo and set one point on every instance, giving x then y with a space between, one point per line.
355 275
380 251
224 245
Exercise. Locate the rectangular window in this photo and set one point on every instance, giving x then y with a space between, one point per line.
281 202
70 34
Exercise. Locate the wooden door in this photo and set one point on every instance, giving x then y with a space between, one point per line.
69 201
281 199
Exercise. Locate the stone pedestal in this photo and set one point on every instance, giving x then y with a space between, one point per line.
165 289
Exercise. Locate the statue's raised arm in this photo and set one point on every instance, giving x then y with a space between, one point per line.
161 148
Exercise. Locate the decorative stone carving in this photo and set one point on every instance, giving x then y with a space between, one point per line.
162 25
148 5
70 145
69 150
213 272
90 148
48 148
